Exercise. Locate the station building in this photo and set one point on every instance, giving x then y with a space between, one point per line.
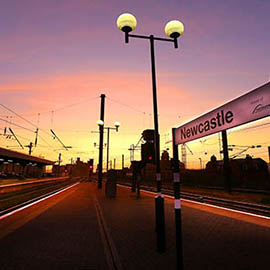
14 164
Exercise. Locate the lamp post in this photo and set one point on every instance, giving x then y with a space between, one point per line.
103 147
174 29
100 157
117 125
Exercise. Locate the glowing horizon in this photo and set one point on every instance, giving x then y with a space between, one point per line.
57 59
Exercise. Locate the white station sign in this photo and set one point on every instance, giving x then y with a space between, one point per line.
251 106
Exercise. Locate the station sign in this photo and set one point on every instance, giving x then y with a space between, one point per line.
249 107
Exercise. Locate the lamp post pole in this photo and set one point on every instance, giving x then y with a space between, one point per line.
102 105
117 125
108 145
159 200
154 85
174 29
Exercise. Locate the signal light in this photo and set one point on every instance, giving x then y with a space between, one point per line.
148 152
91 165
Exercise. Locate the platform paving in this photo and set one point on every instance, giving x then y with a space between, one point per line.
86 230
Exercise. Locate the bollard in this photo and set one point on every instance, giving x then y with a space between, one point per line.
110 187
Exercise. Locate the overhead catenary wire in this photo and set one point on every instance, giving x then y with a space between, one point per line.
61 108
55 136
264 125
29 122
46 142
143 112
11 136
21 137
17 125
36 126
70 105
126 105
75 104
27 139
53 111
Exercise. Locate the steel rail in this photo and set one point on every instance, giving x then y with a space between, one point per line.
235 205
34 195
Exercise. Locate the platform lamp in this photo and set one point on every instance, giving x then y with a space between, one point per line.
116 127
173 29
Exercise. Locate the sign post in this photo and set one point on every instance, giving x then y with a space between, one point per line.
177 206
249 107
226 163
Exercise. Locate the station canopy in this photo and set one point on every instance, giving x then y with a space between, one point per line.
7 155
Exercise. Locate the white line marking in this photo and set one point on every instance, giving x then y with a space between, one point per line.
177 204
206 204
32 182
110 250
176 177
40 200
228 209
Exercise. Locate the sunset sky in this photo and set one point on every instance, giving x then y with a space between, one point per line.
57 57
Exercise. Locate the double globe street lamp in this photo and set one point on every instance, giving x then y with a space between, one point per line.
116 127
173 29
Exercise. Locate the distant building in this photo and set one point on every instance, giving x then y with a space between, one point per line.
78 169
238 165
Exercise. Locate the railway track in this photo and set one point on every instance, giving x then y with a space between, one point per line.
17 199
10 201
257 209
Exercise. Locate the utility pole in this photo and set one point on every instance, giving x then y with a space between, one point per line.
200 162
36 139
108 147
123 162
30 146
100 161
226 162
131 149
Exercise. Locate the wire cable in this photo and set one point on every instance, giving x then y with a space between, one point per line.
254 127
46 142
123 104
17 125
29 122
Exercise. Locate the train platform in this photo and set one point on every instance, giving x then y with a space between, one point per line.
81 228
14 181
